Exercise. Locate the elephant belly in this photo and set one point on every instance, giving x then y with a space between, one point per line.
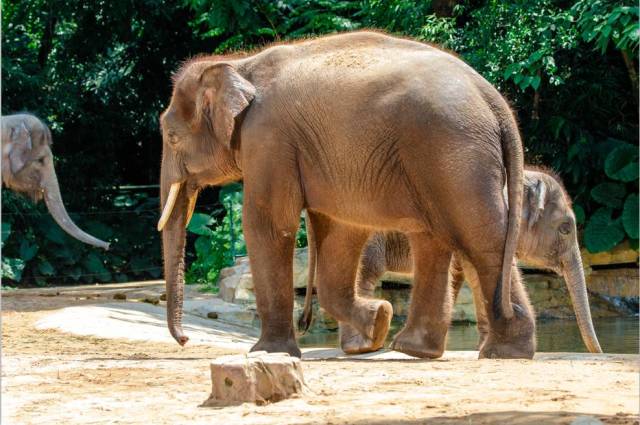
376 211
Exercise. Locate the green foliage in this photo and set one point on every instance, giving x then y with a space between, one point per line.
11 268
42 253
609 22
622 163
620 197
609 194
220 241
98 73
602 232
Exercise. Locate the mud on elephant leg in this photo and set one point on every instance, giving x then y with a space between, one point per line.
339 247
371 268
425 332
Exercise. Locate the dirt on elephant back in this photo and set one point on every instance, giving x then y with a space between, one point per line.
53 377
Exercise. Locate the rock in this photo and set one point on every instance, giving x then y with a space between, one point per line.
621 254
464 313
402 278
212 315
586 420
151 300
258 377
615 282
324 320
556 282
465 296
535 282
119 296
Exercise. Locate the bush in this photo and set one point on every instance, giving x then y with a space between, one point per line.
220 240
36 251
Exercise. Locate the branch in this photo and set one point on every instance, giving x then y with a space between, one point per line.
47 40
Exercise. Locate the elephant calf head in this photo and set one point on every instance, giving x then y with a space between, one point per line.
27 167
549 240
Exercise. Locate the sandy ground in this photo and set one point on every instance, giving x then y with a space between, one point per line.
56 373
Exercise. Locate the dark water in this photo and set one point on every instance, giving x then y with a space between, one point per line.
616 335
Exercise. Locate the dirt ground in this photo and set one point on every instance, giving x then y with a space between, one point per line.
52 377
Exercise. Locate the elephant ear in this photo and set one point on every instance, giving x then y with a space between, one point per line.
19 147
536 194
226 94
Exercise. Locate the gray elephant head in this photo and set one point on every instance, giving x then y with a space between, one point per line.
27 167
195 153
550 241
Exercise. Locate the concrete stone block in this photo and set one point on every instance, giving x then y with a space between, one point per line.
258 377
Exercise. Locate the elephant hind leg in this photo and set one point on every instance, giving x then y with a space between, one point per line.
339 246
504 338
424 334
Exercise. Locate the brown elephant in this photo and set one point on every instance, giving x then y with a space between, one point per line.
548 240
27 167
364 131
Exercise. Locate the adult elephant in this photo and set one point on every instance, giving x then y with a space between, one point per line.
365 131
27 167
548 240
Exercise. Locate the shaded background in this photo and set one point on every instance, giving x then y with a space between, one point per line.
99 74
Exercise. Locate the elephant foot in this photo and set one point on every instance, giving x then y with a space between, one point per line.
510 339
417 342
272 345
354 342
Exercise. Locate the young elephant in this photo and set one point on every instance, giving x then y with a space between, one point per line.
548 240
27 167
364 131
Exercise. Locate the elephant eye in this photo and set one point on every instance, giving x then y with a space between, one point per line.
173 139
565 228
42 160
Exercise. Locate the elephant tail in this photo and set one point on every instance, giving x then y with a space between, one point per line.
514 163
304 322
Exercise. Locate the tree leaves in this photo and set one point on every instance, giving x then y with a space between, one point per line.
200 223
12 268
622 163
94 264
609 194
602 232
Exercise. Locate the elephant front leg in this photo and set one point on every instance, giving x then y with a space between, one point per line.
270 238
366 320
425 332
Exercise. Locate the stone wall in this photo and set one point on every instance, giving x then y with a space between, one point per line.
613 292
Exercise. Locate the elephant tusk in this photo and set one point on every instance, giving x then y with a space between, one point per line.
168 206
190 208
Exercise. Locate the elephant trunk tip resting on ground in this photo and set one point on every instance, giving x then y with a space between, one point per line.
363 130
27 167
548 240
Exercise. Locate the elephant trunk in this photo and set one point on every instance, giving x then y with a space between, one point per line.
172 225
574 276
53 199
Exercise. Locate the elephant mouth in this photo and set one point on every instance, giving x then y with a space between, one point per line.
36 195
